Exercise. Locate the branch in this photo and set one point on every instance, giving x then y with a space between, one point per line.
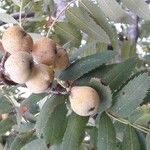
123 121
60 13
23 15
147 1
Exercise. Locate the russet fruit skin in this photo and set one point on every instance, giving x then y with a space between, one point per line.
41 78
44 51
84 100
18 66
16 39
62 59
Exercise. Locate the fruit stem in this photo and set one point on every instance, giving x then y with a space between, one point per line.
123 121
58 92
20 16
67 85
55 20
61 83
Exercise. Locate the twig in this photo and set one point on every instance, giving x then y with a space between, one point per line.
55 20
123 121
20 23
57 92
23 15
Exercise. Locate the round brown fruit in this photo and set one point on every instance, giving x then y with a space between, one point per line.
44 51
16 39
41 78
84 100
62 59
18 66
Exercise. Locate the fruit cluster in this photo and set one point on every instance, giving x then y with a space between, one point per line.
32 63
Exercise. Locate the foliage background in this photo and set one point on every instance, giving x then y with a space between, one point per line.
108 42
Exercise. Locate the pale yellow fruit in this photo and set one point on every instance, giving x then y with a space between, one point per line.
18 66
62 59
84 100
41 78
16 39
44 51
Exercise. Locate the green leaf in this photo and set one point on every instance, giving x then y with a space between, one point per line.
31 102
5 105
81 19
85 65
24 127
37 7
55 147
125 49
147 98
99 72
104 93
100 19
69 32
91 47
145 31
106 133
88 49
75 131
37 144
148 141
130 139
16 2
139 7
142 139
7 18
113 11
51 123
49 3
141 115
21 140
119 128
93 133
113 75
147 58
6 125
120 73
131 95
